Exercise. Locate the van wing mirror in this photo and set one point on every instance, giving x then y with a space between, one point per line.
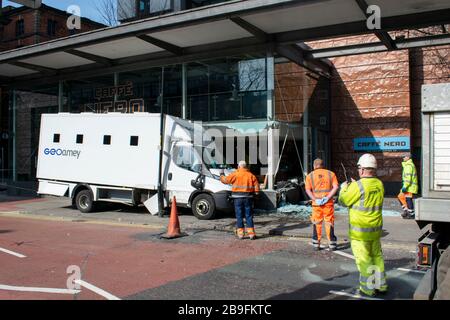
199 183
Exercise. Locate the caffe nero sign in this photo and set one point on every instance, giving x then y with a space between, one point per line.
380 144
115 99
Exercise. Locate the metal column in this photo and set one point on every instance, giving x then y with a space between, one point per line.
116 84
272 136
306 128
184 91
13 133
61 96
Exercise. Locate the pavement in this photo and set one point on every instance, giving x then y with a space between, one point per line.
395 228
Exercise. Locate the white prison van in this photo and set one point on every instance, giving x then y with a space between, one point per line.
115 157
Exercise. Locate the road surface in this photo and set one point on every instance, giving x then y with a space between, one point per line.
131 262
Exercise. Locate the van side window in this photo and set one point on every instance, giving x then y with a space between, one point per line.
106 140
56 138
134 141
80 139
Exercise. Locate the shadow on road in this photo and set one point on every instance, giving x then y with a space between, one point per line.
313 291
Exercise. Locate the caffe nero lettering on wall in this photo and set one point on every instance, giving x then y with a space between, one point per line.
115 99
380 144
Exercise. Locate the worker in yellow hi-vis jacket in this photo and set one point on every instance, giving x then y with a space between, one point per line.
410 187
365 198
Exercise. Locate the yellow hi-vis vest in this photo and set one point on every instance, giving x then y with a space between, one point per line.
364 199
409 177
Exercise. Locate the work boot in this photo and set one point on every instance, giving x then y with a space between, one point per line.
363 293
381 292
316 245
251 233
333 245
410 214
405 213
240 233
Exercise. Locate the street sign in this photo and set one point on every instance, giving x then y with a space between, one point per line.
29 3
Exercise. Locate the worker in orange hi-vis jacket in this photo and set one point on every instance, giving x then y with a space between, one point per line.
245 186
321 186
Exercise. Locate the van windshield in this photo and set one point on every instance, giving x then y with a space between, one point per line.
186 157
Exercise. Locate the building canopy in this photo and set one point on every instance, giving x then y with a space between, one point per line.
276 26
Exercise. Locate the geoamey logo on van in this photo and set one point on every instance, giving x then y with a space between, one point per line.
62 153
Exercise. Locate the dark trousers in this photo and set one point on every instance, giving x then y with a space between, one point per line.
244 207
410 203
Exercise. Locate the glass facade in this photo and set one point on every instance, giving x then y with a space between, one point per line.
25 119
227 89
136 9
214 91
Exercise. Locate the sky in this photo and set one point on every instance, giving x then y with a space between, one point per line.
88 7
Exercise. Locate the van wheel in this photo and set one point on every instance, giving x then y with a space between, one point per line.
203 207
84 201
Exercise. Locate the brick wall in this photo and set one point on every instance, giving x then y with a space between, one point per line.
297 88
9 39
427 66
370 97
36 22
380 95
292 89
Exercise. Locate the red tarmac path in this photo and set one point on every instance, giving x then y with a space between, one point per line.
120 260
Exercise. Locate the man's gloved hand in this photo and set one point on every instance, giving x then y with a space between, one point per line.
344 185
404 190
325 200
318 202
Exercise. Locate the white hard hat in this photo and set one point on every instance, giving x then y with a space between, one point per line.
368 161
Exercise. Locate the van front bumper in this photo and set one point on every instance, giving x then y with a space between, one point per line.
223 201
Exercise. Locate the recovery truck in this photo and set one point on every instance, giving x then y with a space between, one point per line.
116 157
433 209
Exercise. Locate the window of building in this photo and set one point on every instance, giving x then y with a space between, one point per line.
51 27
83 95
80 139
201 3
147 87
154 7
56 138
20 27
233 88
134 141
107 140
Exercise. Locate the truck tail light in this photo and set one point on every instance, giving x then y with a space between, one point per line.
424 255
427 249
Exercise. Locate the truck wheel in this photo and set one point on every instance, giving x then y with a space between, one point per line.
84 201
443 277
203 207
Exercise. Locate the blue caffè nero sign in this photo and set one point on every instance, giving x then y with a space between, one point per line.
382 144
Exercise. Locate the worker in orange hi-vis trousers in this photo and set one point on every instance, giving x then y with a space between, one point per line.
321 186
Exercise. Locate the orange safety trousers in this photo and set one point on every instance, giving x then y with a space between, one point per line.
402 198
320 215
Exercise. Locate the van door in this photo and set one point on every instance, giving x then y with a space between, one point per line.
185 166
